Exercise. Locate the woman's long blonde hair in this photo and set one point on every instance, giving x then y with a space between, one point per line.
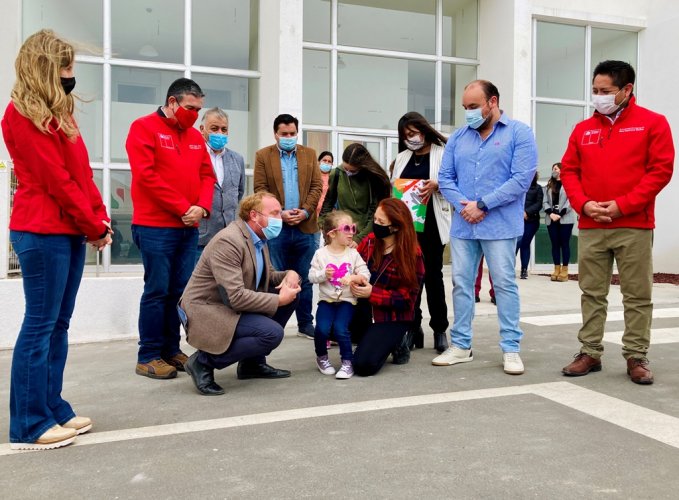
38 94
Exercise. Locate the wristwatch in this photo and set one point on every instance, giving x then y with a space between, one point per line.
482 206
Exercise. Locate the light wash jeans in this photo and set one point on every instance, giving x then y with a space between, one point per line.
501 258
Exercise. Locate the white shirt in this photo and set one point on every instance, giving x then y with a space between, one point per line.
217 164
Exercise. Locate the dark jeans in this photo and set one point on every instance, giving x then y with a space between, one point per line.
334 317
169 256
529 230
479 277
294 250
560 236
255 337
378 341
51 268
432 251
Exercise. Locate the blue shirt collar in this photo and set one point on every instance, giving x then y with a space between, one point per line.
256 240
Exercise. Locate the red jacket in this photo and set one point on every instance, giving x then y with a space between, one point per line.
628 161
171 170
391 299
56 193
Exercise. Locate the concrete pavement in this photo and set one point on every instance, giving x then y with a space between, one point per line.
467 431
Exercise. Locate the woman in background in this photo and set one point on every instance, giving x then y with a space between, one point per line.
357 188
57 208
531 223
560 218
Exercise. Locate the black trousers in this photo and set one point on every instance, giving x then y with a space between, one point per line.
377 343
432 251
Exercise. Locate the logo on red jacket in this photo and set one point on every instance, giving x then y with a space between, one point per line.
166 141
591 137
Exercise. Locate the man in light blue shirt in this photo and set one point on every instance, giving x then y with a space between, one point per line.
487 168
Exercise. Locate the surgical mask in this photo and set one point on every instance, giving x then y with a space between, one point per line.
326 167
273 228
474 118
381 231
68 84
218 141
350 174
415 143
555 175
605 103
185 117
287 143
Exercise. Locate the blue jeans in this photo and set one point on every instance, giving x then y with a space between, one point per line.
334 317
501 257
51 267
529 230
294 250
169 256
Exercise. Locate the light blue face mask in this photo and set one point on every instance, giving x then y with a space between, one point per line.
218 141
474 118
273 228
287 143
326 167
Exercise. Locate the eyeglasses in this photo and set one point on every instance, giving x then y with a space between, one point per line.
346 228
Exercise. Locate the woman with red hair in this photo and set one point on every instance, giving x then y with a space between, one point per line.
396 274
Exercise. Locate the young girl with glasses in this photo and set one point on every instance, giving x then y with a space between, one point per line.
334 267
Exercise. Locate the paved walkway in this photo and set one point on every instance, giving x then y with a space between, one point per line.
467 431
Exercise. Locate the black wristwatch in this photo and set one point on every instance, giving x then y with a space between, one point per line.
482 206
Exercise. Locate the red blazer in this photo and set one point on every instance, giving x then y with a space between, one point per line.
56 193
628 161
171 170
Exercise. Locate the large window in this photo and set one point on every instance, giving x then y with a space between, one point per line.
565 57
128 54
368 62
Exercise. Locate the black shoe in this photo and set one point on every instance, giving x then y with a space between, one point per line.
492 299
401 355
202 376
250 370
477 299
440 342
416 339
524 274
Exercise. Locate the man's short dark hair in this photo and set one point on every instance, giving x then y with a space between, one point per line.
285 119
181 87
489 89
621 73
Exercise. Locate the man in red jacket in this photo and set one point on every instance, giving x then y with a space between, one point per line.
172 185
615 165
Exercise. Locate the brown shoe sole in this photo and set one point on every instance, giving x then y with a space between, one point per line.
596 368
153 375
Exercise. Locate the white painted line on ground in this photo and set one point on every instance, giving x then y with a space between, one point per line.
658 336
650 423
576 318
635 418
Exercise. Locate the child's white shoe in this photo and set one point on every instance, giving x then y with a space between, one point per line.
346 370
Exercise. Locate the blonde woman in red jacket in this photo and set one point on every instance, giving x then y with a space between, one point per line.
57 208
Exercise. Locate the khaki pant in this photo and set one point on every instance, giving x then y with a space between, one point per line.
632 251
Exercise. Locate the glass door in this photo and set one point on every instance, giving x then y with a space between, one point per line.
382 148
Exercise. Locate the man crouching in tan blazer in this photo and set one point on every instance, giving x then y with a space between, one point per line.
230 308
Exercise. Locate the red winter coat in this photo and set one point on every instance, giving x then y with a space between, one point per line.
171 171
628 161
56 193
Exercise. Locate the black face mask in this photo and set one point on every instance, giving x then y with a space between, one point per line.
68 84
381 231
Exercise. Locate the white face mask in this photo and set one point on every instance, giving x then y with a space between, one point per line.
415 143
605 103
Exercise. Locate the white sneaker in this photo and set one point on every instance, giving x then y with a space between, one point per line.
513 363
324 366
452 356
346 370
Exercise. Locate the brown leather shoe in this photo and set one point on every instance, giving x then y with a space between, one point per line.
178 361
638 371
582 365
156 368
